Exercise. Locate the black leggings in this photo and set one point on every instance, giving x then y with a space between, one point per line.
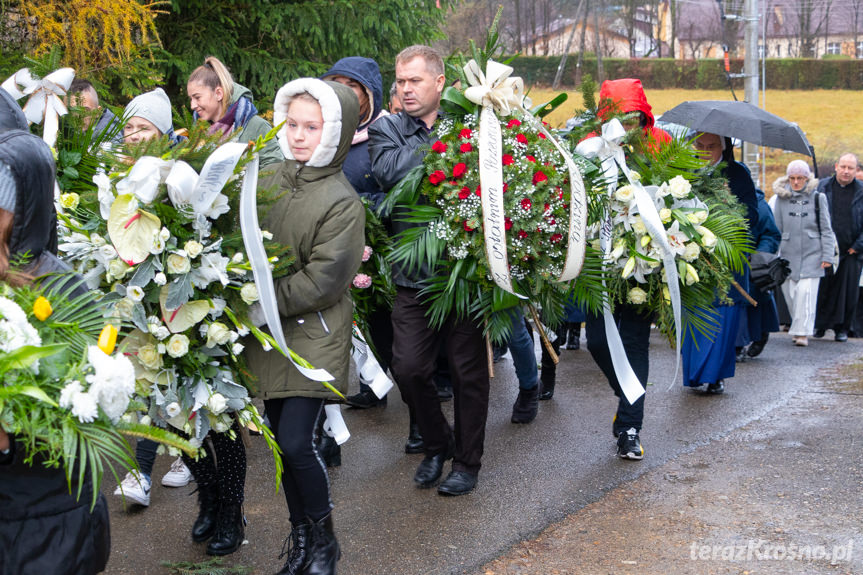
226 468
294 421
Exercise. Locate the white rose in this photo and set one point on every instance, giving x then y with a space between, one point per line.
217 403
160 279
135 293
165 234
665 215
149 356
178 264
193 249
218 334
697 217
123 308
160 332
691 251
636 296
178 345
624 194
708 239
679 187
249 293
173 409
117 269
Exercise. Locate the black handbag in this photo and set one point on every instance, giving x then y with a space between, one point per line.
768 271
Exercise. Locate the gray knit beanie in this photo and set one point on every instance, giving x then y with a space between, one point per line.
8 189
798 168
154 107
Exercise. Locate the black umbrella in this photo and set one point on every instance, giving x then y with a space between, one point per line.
740 120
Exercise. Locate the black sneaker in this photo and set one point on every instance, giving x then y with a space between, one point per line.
365 400
629 446
819 333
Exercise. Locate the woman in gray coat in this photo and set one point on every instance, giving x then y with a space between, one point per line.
807 243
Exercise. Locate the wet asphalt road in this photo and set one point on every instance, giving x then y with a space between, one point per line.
532 475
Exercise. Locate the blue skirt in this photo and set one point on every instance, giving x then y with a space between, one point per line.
706 361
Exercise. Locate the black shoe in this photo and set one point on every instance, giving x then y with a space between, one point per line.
297 545
715 388
819 333
444 393
740 354
331 452
208 511
756 347
457 483
324 551
573 335
629 445
415 443
366 399
230 530
526 405
841 336
431 468
546 390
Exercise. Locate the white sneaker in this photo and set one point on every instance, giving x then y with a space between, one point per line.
178 476
135 488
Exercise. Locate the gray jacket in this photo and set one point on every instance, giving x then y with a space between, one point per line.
802 244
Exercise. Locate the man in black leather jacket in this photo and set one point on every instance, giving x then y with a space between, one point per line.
394 146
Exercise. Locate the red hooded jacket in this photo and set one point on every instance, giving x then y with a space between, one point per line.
627 95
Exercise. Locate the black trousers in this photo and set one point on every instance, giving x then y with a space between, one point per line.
837 295
295 421
416 348
634 331
224 466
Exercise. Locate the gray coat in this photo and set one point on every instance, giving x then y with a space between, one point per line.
802 244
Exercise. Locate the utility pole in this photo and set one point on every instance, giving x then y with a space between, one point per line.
750 79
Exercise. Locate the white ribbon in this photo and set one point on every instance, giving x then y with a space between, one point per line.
257 255
46 98
607 149
334 425
498 93
368 368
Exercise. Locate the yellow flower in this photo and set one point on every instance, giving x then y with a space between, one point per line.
108 339
70 201
42 308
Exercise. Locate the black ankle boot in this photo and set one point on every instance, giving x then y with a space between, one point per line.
230 530
331 452
526 405
298 549
208 510
546 390
324 550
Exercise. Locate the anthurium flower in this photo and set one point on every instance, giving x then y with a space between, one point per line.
131 229
42 308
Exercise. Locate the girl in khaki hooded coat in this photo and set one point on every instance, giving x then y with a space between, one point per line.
322 219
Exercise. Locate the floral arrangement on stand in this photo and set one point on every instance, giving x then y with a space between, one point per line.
66 396
161 233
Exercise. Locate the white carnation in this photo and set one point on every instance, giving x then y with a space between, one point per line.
160 279
84 407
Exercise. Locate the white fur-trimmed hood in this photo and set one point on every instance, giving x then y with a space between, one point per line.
331 110
782 188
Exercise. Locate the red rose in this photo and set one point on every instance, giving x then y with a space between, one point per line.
507 223
437 177
439 147
526 204
539 177
467 227
507 160
545 207
465 148
465 133
521 138
478 191
505 187
459 169
522 234
541 135
555 238
530 158
464 193
513 123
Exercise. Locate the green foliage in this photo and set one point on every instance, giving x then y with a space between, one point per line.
266 44
212 566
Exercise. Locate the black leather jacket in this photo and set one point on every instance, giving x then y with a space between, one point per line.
395 144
